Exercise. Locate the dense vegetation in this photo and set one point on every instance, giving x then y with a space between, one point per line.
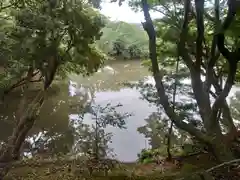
43 40
40 39
124 40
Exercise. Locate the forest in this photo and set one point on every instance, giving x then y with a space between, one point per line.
124 41
194 133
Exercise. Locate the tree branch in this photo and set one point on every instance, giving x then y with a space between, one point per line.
223 164
19 83
149 28
197 84
216 167
214 56
227 119
183 36
231 57
165 14
199 5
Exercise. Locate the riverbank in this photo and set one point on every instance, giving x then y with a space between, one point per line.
192 167
65 170
73 169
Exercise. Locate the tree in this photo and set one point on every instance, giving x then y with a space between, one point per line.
93 138
202 53
125 39
209 114
39 40
157 131
159 126
154 130
134 51
118 48
93 141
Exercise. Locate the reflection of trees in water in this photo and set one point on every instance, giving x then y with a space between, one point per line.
157 125
86 140
76 137
82 90
101 85
53 115
47 144
53 120
92 136
156 130
108 81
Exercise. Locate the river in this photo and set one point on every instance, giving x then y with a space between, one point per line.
105 86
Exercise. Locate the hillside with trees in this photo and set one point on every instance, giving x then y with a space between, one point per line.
123 40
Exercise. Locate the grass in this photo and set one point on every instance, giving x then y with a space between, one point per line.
62 169
126 171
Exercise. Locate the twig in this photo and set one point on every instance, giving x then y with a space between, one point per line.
215 167
223 164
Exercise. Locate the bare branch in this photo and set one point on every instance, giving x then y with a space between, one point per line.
223 164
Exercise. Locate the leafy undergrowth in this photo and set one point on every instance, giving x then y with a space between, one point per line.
64 170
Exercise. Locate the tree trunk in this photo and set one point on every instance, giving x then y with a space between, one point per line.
221 150
12 151
26 118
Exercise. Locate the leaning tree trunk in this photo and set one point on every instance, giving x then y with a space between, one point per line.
25 121
28 113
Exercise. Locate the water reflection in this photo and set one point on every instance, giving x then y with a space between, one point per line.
126 143
108 89
102 88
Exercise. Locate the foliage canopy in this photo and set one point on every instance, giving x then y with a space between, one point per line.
126 40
